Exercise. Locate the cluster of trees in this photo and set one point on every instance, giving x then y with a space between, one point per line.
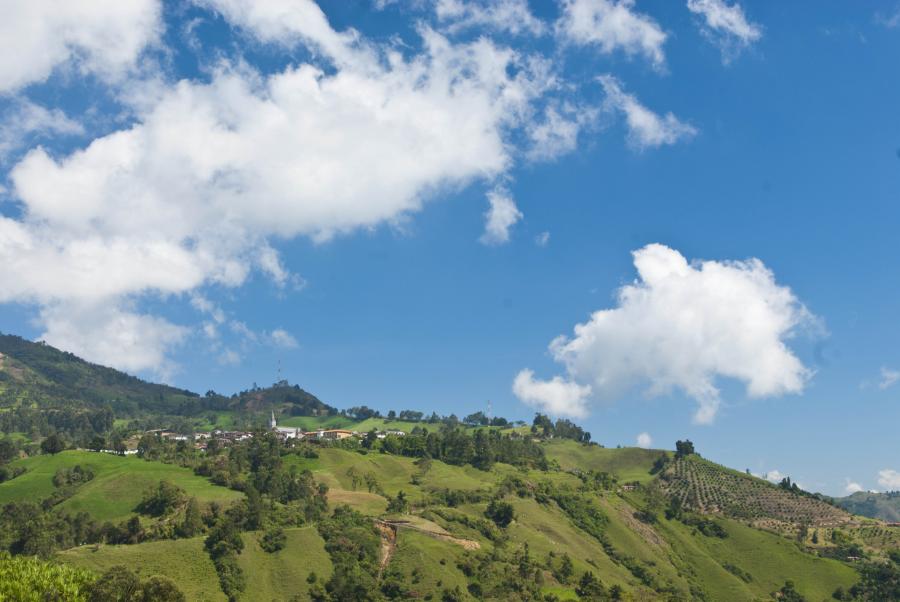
684 448
9 450
456 446
77 422
353 543
482 419
562 429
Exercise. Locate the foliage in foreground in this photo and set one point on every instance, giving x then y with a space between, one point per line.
29 579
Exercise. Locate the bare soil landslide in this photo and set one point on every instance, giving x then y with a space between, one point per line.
388 544
431 530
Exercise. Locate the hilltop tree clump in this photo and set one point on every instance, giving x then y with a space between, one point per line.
684 448
542 426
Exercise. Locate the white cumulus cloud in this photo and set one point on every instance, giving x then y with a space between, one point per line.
889 479
101 37
113 336
556 396
192 192
644 440
612 25
726 24
500 217
646 129
682 325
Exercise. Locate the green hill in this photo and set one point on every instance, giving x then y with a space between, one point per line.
434 541
455 513
36 375
707 487
116 489
884 506
44 389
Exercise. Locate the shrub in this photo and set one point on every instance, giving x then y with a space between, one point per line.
500 512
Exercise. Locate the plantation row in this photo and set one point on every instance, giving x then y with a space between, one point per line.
705 487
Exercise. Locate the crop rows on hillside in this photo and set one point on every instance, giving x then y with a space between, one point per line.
705 487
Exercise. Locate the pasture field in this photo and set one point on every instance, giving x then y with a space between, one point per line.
184 561
117 487
627 464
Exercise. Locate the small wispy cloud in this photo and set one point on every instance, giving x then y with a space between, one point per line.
889 378
852 487
726 25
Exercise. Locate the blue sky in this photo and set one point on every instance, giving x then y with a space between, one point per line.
405 203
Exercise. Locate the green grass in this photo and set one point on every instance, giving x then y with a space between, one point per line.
547 529
184 561
281 575
276 576
418 558
117 487
394 473
626 464
311 423
769 558
221 420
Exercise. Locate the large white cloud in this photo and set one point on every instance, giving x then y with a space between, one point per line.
190 194
113 335
646 129
557 395
612 25
726 25
102 37
889 479
682 325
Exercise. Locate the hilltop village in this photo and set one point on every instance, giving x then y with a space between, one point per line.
224 438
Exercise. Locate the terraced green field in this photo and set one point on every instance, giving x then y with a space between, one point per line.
708 487
117 487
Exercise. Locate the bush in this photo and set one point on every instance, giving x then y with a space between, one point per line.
273 540
502 513
162 500
31 579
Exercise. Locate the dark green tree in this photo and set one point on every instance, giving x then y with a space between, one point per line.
53 444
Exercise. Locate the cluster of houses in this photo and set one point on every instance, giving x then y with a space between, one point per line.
201 439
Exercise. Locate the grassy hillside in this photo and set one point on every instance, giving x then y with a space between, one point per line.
184 561
433 543
627 464
116 488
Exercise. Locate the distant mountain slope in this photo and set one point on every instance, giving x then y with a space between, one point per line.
884 506
37 376
710 488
